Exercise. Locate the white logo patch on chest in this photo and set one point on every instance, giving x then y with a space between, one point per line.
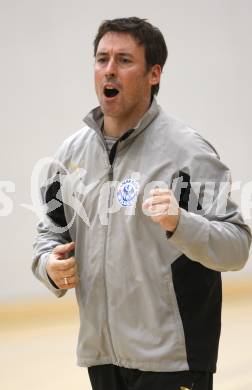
127 192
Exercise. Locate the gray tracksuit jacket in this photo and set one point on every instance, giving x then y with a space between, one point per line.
148 299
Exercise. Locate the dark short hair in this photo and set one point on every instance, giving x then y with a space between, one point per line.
147 35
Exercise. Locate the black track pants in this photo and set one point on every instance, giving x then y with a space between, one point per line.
111 377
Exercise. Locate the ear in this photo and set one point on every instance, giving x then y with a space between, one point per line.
155 74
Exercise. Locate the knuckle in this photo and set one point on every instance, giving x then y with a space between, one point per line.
63 265
57 248
70 261
56 268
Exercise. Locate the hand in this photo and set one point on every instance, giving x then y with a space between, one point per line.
61 268
163 208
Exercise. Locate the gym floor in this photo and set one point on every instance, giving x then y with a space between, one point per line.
38 343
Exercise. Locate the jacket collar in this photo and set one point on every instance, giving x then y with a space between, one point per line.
95 119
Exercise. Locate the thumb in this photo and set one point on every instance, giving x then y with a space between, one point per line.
64 248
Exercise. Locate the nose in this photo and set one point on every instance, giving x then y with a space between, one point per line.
111 68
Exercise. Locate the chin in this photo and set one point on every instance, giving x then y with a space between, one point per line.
110 111
111 114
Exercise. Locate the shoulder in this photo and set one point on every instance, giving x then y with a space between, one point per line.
184 137
74 144
77 139
188 148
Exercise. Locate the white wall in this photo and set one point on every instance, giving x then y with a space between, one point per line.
46 89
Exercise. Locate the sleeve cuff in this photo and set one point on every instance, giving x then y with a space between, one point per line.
191 233
51 281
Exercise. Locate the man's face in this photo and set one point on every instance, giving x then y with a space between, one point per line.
122 83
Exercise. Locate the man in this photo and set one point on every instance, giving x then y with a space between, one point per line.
152 232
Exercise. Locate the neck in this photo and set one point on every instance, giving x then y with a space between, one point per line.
117 126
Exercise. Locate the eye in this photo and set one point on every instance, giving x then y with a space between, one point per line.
101 60
126 61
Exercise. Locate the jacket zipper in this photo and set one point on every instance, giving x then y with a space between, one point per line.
110 177
111 158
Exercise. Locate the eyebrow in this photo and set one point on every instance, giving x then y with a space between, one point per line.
105 53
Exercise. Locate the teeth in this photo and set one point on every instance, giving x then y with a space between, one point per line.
110 88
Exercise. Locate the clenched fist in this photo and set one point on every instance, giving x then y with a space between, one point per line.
163 208
61 268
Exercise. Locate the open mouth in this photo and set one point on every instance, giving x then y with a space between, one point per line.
110 92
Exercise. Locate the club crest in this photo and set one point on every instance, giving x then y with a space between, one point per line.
127 192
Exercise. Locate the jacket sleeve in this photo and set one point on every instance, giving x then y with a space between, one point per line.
214 236
48 237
